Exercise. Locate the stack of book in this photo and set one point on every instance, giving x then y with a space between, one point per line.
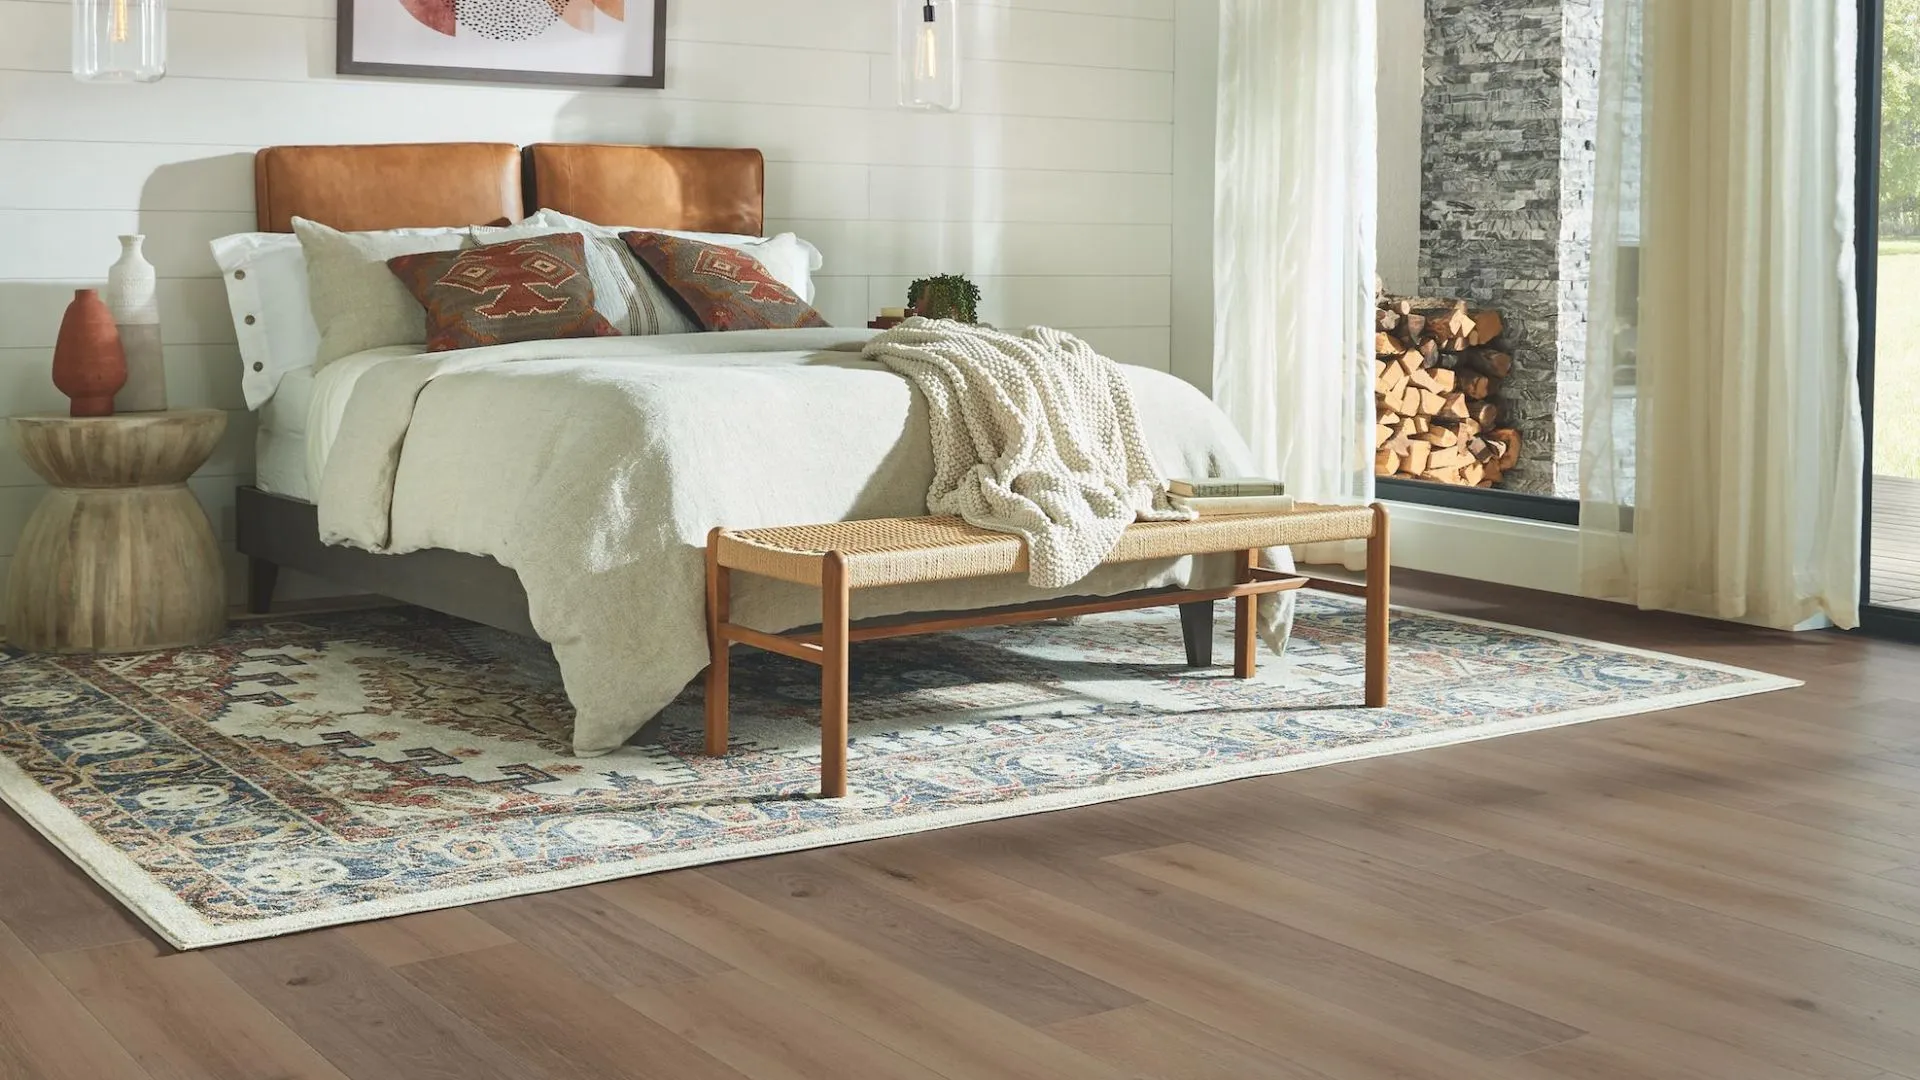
1219 495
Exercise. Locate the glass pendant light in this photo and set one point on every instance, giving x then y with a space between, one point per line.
929 56
119 40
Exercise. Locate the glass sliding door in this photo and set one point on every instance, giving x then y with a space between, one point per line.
1889 282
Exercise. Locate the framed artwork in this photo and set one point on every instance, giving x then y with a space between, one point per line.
582 42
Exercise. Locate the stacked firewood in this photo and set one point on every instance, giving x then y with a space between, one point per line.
1437 371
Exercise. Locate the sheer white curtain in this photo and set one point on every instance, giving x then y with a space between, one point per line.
1294 241
1721 469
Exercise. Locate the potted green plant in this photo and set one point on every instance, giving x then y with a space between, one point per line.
948 296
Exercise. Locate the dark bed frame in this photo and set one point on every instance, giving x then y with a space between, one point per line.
452 184
275 531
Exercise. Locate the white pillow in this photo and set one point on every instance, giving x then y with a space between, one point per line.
357 302
787 257
266 277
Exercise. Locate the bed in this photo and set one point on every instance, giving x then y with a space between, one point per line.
378 455
414 185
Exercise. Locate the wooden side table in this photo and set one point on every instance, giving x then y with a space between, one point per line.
118 557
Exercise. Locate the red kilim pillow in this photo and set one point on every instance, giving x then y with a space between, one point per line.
723 288
522 290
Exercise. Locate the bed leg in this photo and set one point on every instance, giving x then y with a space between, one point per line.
1246 635
1379 569
1196 627
719 610
261 576
834 595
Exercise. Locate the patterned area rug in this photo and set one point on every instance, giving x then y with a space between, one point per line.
321 770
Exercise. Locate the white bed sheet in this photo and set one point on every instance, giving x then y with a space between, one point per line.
299 423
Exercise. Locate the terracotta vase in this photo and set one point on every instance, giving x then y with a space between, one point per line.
89 364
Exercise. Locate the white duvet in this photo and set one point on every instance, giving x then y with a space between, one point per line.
594 468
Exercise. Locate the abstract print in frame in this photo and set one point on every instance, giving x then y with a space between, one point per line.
584 42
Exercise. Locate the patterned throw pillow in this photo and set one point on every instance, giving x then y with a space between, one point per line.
624 292
724 288
534 289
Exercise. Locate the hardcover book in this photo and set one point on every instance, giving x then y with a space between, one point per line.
1225 487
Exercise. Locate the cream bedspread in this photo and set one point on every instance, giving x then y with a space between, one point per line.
595 468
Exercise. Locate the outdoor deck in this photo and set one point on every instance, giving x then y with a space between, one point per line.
1895 573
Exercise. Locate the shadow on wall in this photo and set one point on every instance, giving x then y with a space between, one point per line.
184 206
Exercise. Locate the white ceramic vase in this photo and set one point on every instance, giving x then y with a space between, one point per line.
131 296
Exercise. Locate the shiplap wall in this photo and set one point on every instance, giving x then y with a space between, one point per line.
1053 188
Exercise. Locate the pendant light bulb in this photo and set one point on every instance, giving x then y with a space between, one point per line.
928 54
926 61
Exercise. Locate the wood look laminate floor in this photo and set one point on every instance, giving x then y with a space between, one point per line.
1730 890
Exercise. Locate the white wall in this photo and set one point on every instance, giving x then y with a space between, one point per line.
1054 188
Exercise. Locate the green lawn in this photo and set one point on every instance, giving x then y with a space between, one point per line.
1896 362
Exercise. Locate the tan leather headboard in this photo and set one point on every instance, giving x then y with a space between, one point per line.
398 186
700 189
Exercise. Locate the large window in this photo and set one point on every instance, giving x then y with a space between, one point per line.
1889 281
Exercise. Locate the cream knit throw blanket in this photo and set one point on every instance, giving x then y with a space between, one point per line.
1034 434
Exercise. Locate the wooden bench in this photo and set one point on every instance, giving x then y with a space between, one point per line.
842 556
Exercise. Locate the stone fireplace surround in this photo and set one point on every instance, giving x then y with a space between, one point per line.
1508 118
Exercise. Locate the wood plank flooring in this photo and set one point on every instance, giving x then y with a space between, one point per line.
1724 891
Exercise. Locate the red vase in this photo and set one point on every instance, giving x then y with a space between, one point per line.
89 364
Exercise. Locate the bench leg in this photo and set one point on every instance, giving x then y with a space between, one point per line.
1378 570
1246 638
1196 627
719 604
834 595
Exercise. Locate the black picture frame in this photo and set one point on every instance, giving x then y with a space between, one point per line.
345 63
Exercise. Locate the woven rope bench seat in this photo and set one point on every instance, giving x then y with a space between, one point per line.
917 550
839 557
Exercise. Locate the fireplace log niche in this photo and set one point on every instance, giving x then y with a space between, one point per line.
1438 366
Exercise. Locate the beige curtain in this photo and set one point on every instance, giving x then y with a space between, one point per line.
1294 243
1721 471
